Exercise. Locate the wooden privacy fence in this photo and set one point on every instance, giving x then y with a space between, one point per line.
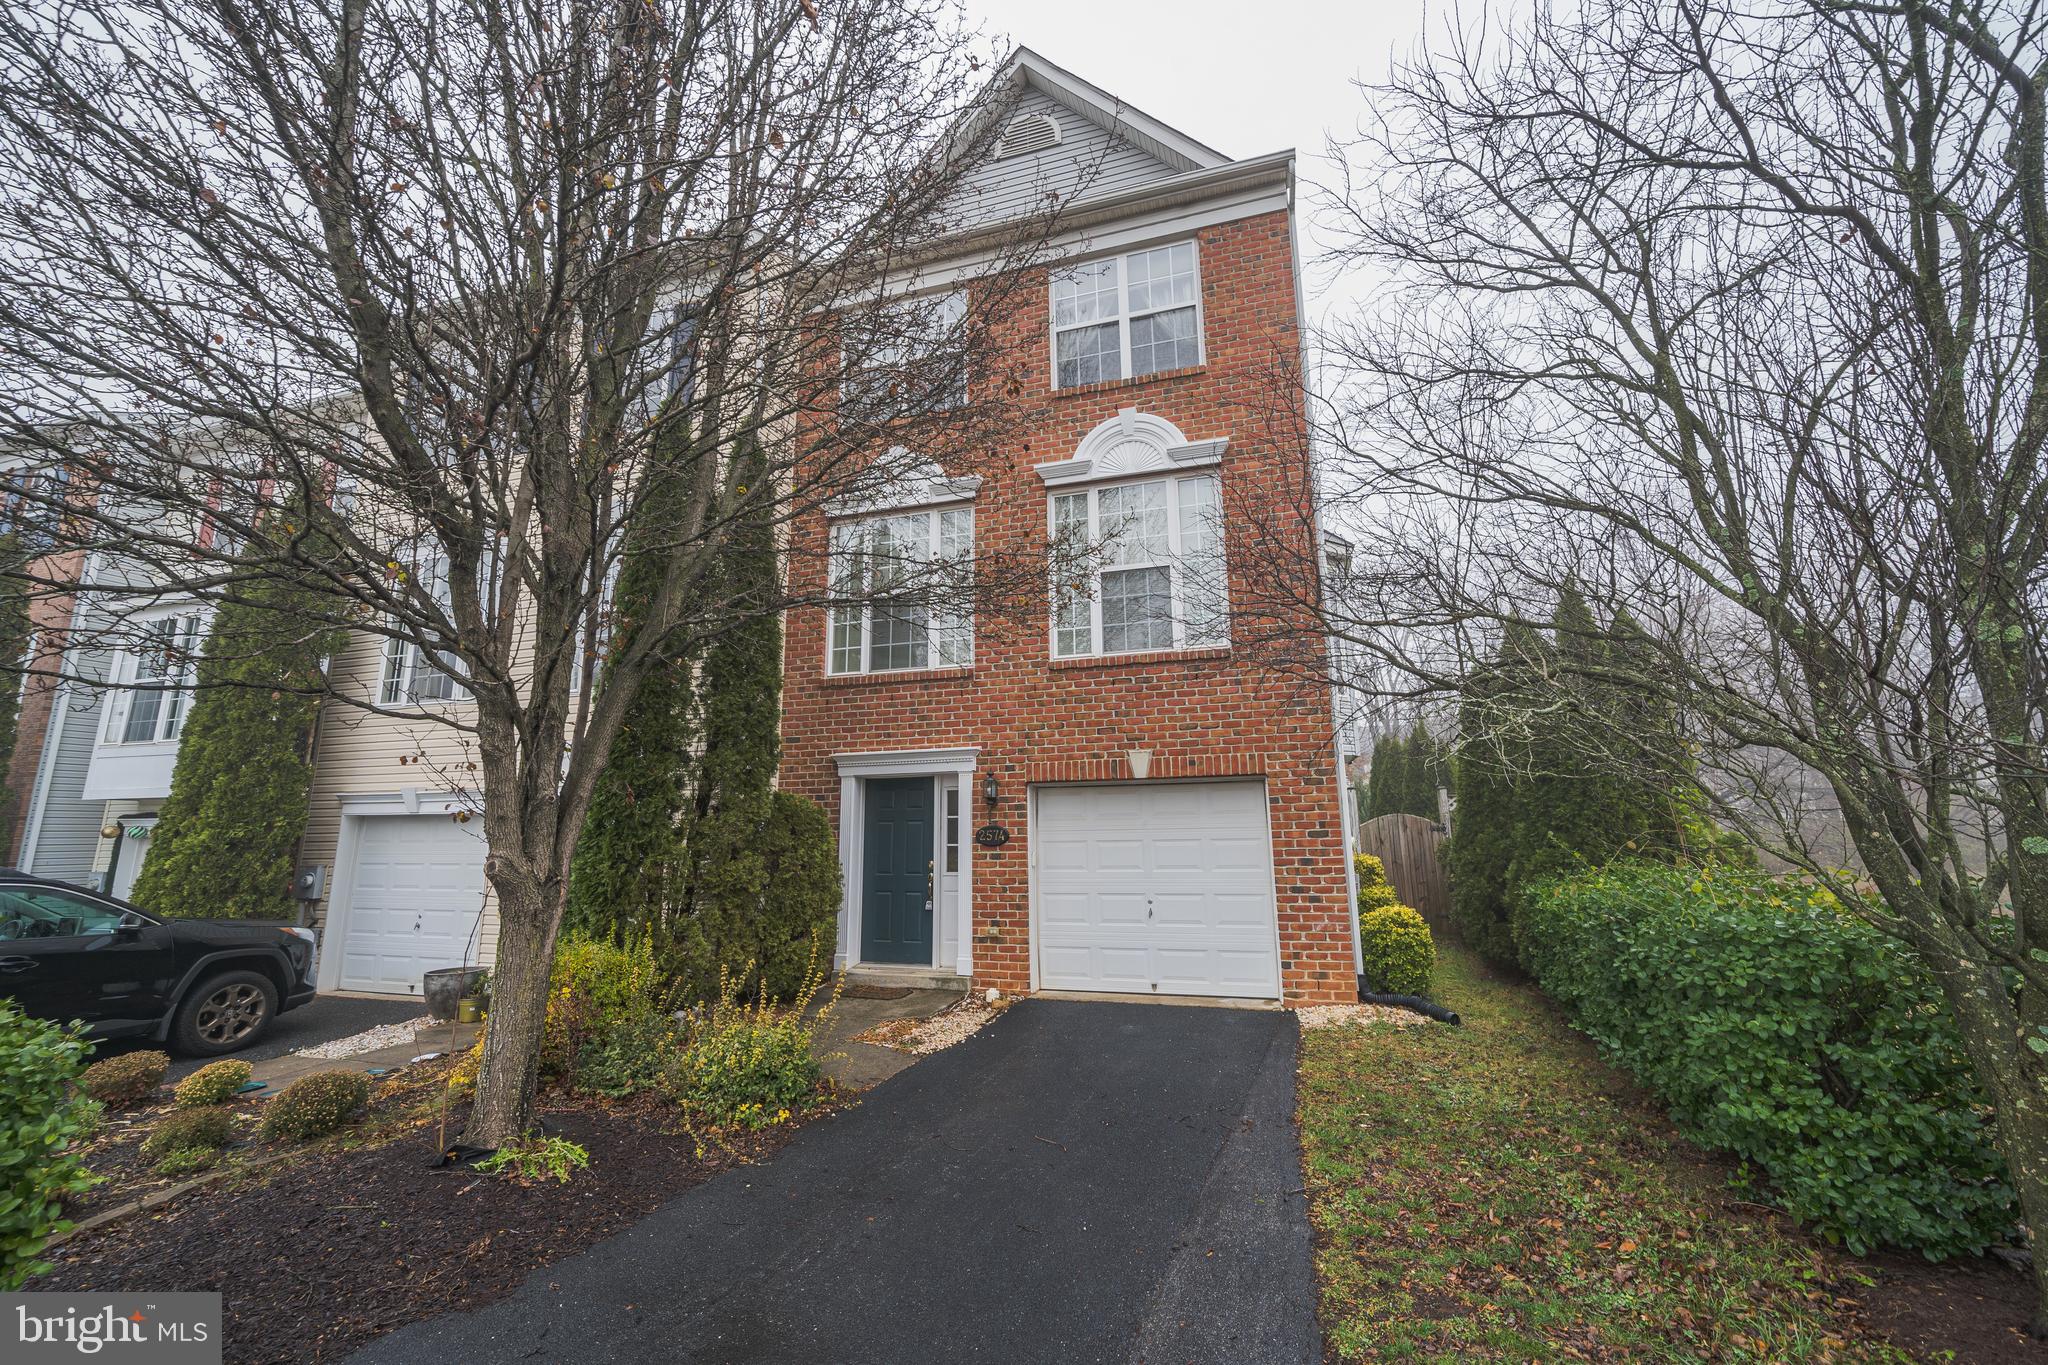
1407 845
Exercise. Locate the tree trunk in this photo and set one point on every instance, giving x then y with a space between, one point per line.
528 920
1985 1023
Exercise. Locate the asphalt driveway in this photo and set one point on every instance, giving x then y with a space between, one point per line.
1078 1182
322 1019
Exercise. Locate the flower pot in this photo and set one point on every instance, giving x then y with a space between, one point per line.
469 1010
444 988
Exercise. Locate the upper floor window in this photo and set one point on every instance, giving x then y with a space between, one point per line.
412 674
902 579
1139 567
1127 316
155 677
907 358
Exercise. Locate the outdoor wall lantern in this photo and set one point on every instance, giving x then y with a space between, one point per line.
988 789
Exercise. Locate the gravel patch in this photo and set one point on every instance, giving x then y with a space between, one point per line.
1339 1016
369 1040
926 1036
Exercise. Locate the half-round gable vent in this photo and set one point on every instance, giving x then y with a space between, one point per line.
1028 133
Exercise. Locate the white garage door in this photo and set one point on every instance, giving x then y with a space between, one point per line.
412 902
1156 888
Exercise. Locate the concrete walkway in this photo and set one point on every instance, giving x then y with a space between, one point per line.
859 1066
1077 1182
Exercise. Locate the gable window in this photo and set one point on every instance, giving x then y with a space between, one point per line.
1140 567
1127 316
156 676
901 579
412 674
907 358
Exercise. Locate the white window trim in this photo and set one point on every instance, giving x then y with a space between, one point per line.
933 513
122 678
405 655
1174 563
1123 318
904 304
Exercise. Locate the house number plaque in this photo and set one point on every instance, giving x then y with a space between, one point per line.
992 836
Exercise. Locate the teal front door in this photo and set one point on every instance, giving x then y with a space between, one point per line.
896 871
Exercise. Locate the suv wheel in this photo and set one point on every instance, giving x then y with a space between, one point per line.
224 1013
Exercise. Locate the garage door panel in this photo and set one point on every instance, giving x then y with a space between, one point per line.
415 891
1161 888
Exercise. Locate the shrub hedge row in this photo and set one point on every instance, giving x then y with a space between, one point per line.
1782 1028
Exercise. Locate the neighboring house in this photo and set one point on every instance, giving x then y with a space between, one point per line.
1163 815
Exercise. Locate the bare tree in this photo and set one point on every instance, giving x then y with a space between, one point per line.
490 281
1736 317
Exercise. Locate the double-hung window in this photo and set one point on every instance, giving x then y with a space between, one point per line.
1139 566
413 675
156 676
907 358
1127 316
903 581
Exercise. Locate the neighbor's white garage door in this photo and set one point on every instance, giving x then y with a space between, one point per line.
1156 888
412 902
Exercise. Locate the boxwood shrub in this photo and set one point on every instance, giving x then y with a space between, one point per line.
1399 955
189 1130
125 1079
214 1083
314 1106
1782 1028
43 1123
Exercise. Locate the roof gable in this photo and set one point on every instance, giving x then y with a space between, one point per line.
1103 146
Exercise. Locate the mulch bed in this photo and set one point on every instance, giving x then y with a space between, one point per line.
315 1257
1976 1307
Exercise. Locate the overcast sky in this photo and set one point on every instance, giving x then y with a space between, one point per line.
1246 79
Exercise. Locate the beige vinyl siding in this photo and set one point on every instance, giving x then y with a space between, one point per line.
358 753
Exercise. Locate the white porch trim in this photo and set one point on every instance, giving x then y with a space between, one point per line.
854 769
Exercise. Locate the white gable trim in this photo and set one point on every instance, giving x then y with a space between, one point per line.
921 484
1111 114
1128 444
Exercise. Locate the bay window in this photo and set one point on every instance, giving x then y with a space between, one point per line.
1127 316
902 580
1139 566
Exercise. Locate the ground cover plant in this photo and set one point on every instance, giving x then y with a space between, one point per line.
1495 1192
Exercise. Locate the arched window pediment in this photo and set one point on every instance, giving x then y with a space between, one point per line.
1130 444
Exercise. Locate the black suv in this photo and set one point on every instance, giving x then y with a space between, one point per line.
206 986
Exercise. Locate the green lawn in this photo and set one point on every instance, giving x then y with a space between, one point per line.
1493 1192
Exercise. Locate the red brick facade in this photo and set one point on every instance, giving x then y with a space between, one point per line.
49 619
1202 713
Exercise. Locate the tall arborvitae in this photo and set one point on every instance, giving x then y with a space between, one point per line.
1383 780
628 859
227 833
763 881
1424 766
1491 767
1580 805
15 632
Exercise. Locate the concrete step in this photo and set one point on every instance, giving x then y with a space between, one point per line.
916 978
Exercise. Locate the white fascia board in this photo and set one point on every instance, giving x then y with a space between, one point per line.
1112 115
1161 211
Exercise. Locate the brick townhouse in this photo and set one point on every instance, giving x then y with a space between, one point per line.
1114 797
